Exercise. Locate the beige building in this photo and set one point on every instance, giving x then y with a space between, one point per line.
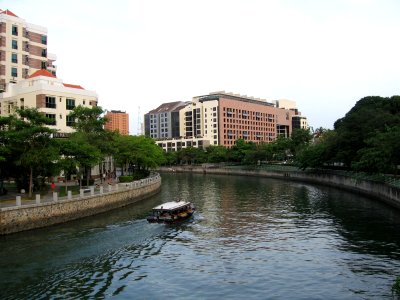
23 49
47 93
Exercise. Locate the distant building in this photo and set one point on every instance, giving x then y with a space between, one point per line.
221 119
23 49
117 121
52 97
163 122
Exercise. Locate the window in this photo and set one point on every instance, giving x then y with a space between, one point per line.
70 121
44 39
14 30
43 65
70 104
14 58
14 44
14 72
44 52
50 102
52 118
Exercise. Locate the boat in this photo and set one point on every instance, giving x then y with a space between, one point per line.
170 212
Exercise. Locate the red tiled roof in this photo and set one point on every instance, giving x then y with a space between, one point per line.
42 73
74 86
8 12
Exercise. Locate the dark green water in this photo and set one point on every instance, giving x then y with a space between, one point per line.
251 238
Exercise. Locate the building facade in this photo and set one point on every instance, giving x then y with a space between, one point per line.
117 121
163 122
23 49
222 118
52 97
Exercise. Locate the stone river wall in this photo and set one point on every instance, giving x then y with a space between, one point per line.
380 191
25 217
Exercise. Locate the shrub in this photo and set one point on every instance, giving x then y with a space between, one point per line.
125 179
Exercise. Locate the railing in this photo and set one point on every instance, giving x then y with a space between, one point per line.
382 178
96 190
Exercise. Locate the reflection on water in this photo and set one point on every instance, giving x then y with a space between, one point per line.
249 238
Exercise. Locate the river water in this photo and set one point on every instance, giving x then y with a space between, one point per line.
250 238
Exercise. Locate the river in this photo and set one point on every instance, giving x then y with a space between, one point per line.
250 238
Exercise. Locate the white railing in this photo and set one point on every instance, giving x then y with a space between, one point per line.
97 190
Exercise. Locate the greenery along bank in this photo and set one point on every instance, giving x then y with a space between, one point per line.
366 139
30 152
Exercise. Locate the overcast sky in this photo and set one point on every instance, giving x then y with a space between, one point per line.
325 55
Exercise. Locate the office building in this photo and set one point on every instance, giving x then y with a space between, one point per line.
117 121
23 49
222 118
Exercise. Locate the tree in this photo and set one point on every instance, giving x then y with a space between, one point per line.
319 154
97 142
299 139
216 154
31 143
370 116
382 153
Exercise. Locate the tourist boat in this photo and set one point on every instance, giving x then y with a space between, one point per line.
170 212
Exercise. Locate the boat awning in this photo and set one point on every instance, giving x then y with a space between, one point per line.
171 205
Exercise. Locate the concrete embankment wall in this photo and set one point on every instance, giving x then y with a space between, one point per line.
25 217
383 192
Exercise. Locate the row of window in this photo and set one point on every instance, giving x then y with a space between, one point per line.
69 104
14 31
69 121
14 45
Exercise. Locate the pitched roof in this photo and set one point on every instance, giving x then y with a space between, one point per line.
74 86
42 73
8 12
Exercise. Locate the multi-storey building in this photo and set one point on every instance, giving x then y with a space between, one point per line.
222 118
23 49
117 121
163 122
52 97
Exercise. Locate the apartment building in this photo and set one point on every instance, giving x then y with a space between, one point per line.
47 93
117 121
23 49
163 122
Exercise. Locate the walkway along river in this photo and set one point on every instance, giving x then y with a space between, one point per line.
250 238
59 210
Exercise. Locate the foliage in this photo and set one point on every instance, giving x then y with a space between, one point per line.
31 145
396 286
368 118
123 179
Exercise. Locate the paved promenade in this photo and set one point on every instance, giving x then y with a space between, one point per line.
10 199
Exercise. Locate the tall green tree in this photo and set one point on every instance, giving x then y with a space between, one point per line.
94 141
370 116
31 143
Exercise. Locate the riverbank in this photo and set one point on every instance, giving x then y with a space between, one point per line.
59 210
383 192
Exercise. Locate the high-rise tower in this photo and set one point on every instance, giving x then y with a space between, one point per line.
23 49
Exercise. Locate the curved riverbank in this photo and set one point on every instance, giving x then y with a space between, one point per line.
380 191
26 217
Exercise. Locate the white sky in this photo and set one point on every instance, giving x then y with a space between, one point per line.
323 54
